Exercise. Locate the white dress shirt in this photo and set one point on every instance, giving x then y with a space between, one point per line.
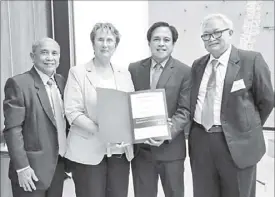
220 76
45 78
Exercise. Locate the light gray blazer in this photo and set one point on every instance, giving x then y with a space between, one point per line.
80 102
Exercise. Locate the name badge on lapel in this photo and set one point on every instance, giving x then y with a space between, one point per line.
238 85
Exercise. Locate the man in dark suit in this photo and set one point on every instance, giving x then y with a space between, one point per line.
35 125
231 98
162 158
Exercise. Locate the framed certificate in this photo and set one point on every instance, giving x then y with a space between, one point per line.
132 117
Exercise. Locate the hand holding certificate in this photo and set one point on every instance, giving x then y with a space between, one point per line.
132 117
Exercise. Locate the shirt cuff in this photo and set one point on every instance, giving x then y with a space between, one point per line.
22 169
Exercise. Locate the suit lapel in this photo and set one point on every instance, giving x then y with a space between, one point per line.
91 74
196 80
144 74
42 95
120 80
231 73
166 74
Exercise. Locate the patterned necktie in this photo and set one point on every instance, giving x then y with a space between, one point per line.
208 104
59 116
155 76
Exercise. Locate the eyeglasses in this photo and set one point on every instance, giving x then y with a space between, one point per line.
216 34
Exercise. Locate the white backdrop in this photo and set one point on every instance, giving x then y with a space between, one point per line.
129 17
133 18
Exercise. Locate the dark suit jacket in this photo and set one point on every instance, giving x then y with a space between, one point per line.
175 79
243 112
30 128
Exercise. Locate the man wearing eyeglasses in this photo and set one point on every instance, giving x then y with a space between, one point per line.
231 98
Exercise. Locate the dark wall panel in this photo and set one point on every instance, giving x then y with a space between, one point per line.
62 34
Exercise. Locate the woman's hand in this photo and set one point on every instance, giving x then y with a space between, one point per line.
122 145
118 145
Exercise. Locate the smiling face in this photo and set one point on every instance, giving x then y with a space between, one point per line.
46 56
161 43
104 44
217 46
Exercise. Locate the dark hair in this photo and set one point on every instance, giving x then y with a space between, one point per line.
174 31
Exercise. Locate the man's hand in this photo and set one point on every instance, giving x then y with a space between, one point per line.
154 142
171 127
170 124
25 179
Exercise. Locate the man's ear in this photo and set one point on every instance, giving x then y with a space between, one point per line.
231 32
32 57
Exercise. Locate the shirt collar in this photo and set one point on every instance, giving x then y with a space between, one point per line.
224 58
163 63
45 78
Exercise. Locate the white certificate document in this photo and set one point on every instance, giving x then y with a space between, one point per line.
149 114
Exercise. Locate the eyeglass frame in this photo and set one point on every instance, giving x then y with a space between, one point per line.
212 34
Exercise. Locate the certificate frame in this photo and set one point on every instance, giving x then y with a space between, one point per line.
162 91
117 123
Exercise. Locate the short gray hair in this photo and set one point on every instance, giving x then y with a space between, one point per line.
37 43
218 16
105 26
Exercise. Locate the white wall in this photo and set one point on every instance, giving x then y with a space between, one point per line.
133 18
129 17
186 16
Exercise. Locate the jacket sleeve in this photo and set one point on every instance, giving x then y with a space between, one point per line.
262 88
14 113
181 118
75 107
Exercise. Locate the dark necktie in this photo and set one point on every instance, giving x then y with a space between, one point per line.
208 104
59 116
155 76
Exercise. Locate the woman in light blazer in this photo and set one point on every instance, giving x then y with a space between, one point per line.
94 173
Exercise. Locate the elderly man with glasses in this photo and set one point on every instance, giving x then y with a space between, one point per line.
231 98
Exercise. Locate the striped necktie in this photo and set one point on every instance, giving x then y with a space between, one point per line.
208 104
155 76
59 116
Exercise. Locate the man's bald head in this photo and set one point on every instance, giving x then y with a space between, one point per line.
38 43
